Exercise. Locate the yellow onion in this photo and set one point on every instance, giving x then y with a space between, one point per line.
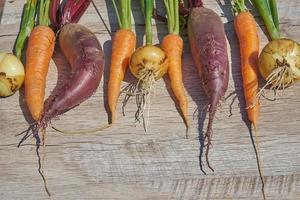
279 63
148 61
11 74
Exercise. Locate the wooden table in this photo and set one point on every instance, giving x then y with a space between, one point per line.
124 162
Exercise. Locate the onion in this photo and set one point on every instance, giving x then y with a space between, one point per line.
11 74
279 63
148 61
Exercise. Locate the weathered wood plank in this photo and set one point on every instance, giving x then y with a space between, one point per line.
123 162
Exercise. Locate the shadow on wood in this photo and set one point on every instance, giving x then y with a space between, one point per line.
107 52
235 66
193 87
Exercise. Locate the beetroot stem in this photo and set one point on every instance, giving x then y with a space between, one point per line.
70 13
197 3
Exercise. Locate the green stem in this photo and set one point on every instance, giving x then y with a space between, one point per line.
44 12
274 12
239 6
26 26
117 13
171 6
147 7
176 16
262 7
143 7
123 13
170 21
268 5
129 14
172 9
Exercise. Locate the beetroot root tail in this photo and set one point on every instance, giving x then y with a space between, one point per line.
207 145
209 132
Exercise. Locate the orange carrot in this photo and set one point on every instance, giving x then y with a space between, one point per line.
246 30
38 54
172 44
39 51
124 42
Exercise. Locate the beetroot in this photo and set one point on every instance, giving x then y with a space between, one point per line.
82 50
84 53
209 51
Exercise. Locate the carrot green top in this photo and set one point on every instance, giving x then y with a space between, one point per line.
26 26
147 9
28 21
123 11
172 8
44 13
239 6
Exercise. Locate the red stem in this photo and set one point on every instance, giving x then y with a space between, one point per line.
197 3
55 13
183 10
73 10
70 13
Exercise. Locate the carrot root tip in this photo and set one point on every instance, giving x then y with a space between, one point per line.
31 130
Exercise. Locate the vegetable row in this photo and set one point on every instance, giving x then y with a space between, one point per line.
278 62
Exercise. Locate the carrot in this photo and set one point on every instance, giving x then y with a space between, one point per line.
123 45
246 30
39 52
172 44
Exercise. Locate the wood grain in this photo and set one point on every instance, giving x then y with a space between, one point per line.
124 162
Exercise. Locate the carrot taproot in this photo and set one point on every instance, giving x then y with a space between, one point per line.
247 33
172 44
38 54
124 42
246 30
